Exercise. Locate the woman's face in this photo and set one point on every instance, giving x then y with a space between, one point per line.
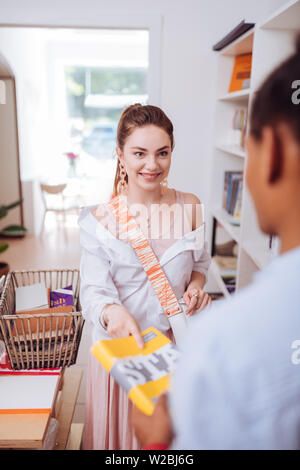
146 157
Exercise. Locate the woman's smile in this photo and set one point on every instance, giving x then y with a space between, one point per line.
149 176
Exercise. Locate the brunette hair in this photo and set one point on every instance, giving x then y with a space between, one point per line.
273 102
138 115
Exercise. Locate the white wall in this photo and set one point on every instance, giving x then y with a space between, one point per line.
24 54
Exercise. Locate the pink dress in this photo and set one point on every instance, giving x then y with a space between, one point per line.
108 409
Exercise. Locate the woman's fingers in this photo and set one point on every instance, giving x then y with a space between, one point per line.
205 301
121 324
192 305
196 302
135 331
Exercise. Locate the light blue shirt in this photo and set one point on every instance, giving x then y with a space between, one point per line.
237 384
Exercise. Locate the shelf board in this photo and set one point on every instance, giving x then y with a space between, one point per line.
224 218
241 95
218 278
241 45
261 256
235 150
287 17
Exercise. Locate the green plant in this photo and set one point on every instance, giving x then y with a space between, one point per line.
10 230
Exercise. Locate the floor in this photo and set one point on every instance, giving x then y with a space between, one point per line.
57 248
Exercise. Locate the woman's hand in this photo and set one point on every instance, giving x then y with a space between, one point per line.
120 323
195 299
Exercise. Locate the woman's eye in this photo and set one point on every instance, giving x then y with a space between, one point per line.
139 154
163 153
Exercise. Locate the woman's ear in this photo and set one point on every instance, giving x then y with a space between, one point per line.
119 153
272 155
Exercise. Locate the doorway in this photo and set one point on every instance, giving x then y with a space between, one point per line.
71 87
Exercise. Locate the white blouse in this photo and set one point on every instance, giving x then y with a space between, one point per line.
112 273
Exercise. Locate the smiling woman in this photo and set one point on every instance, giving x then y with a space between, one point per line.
117 294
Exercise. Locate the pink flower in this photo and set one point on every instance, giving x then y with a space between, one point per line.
71 155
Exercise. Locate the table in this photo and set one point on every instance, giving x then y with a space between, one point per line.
28 431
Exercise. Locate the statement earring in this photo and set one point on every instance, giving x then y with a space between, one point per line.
123 183
164 182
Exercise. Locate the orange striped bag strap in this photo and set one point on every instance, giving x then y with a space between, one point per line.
146 256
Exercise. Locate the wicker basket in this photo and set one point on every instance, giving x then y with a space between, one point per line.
46 340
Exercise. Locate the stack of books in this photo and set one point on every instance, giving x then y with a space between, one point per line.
239 128
38 388
232 195
37 299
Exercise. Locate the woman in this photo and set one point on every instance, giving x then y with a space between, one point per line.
116 294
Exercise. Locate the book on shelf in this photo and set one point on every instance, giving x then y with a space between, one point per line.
143 373
232 193
223 243
237 209
227 248
216 296
238 129
235 33
233 189
225 251
227 274
241 72
230 282
227 265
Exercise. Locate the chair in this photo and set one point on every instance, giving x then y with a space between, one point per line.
55 201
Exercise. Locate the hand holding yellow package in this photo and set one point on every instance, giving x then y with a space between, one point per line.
143 373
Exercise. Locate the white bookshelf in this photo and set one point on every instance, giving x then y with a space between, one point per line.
270 43
225 219
218 279
231 149
236 96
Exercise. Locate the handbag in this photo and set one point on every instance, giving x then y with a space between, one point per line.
174 311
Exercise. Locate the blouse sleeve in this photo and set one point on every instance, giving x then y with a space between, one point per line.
97 288
202 260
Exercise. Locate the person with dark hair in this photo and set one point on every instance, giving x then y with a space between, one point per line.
116 293
238 380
